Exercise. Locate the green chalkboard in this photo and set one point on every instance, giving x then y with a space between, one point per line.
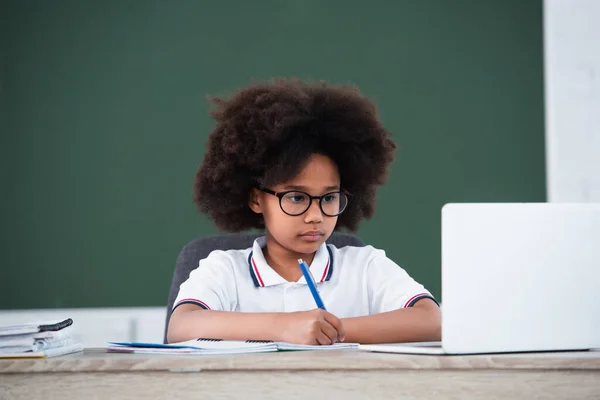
104 123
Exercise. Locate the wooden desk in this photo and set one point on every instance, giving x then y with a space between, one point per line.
304 375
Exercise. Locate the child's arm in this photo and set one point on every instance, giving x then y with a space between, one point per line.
306 327
420 323
400 309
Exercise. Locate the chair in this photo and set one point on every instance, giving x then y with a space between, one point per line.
198 249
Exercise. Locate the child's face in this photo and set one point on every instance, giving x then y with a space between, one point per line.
303 233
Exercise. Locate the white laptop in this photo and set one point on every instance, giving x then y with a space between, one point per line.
517 277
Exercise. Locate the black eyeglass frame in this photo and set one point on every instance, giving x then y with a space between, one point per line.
280 195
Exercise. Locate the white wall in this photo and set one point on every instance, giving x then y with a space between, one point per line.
572 85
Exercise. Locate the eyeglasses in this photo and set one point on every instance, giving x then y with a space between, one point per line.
296 202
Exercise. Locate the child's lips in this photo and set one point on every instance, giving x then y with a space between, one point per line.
312 236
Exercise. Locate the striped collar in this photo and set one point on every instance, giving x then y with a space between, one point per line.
263 275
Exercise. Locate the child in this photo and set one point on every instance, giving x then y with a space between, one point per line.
298 160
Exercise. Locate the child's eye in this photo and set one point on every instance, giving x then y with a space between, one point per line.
330 198
295 198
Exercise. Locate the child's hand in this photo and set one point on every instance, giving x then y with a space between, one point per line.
312 327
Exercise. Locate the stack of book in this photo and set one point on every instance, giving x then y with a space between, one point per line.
38 340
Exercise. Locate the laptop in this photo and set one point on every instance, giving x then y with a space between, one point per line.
517 277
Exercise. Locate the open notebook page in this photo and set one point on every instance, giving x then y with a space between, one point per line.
221 346
336 346
201 344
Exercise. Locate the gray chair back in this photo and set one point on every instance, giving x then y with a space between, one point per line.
198 249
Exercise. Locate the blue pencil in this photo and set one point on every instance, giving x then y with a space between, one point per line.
311 284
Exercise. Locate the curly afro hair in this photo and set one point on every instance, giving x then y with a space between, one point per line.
265 134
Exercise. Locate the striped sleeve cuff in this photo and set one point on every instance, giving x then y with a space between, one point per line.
197 302
411 302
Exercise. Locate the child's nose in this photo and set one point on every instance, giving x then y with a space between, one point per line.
314 213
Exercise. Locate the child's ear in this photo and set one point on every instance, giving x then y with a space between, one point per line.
254 201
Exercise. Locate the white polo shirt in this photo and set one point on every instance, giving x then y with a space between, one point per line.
352 281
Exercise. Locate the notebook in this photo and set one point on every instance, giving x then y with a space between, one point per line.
218 346
38 340
34 327
53 352
431 348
